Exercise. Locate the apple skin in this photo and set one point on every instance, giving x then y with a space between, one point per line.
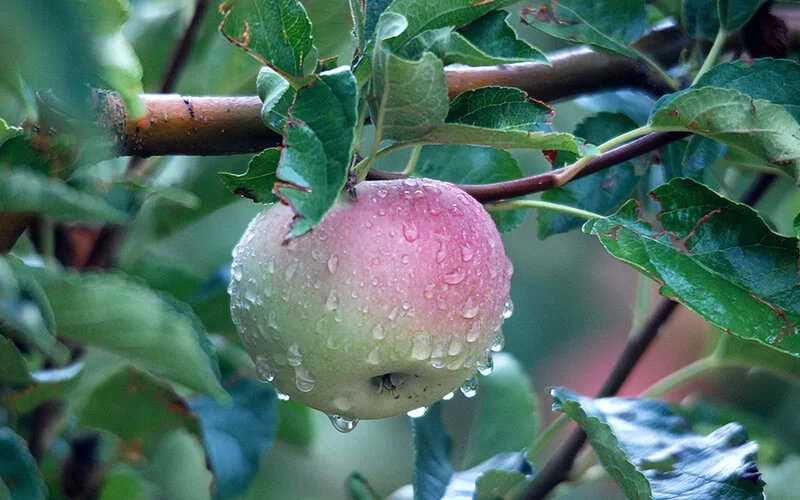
389 304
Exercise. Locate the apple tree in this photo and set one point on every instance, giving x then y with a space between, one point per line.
330 224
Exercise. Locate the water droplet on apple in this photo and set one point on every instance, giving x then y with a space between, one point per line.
470 387
410 232
499 342
474 332
282 396
421 347
343 424
236 273
293 355
303 379
466 253
470 309
263 370
378 332
393 313
382 193
437 363
333 301
455 276
271 265
428 291
454 348
315 254
331 343
290 270
508 310
344 403
448 396
250 290
375 356
272 320
418 412
333 262
405 258
486 365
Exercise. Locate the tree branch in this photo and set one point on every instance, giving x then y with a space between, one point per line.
557 469
549 180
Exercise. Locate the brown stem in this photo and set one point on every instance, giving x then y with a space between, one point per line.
549 180
557 469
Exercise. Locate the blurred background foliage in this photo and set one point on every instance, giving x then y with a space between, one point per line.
573 302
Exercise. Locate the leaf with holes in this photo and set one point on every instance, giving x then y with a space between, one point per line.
715 256
653 454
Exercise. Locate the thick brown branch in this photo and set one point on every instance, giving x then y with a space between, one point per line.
548 180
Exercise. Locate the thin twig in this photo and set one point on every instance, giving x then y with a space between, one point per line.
557 469
549 180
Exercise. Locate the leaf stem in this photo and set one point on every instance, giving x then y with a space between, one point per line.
412 161
48 241
713 54
547 435
542 205
682 375
642 305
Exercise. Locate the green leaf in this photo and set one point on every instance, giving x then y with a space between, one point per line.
372 12
702 17
137 408
608 25
601 192
259 181
499 477
407 98
178 468
757 127
507 412
783 479
25 310
715 256
652 453
359 488
15 371
235 436
432 467
123 481
296 424
8 132
750 353
453 133
423 15
271 87
45 385
276 32
148 328
23 190
319 139
485 42
473 165
18 470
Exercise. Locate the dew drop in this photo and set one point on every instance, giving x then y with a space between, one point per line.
272 320
333 301
421 347
303 379
508 310
485 366
470 309
411 232
418 412
499 342
470 387
375 356
455 277
282 396
293 355
333 262
378 332
448 396
343 424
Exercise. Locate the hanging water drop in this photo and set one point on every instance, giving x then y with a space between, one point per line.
281 396
343 424
263 370
486 365
448 396
508 310
470 387
418 412
499 342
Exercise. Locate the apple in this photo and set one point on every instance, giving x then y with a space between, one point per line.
388 305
